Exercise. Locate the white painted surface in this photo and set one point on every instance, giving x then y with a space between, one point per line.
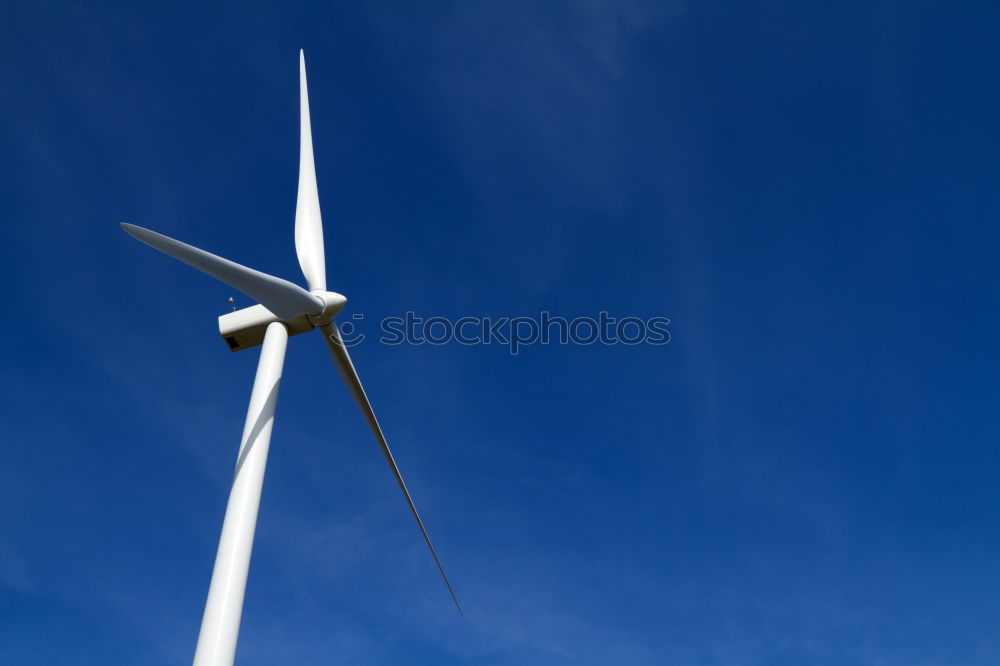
220 625
283 298
308 222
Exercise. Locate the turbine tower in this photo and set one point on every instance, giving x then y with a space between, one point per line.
284 309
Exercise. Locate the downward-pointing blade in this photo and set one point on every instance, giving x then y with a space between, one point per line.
281 297
308 222
342 361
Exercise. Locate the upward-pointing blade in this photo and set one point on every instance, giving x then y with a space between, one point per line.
281 297
308 223
342 360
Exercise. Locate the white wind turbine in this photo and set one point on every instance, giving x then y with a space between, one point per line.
285 309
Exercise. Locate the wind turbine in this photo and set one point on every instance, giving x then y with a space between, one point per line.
284 309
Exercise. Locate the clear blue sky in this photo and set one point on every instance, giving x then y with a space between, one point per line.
806 475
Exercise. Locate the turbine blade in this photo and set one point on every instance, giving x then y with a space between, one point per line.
281 297
342 361
308 222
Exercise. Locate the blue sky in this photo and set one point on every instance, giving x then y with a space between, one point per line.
806 474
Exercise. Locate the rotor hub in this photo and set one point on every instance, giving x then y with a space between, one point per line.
332 304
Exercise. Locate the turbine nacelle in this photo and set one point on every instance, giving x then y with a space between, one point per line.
245 328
